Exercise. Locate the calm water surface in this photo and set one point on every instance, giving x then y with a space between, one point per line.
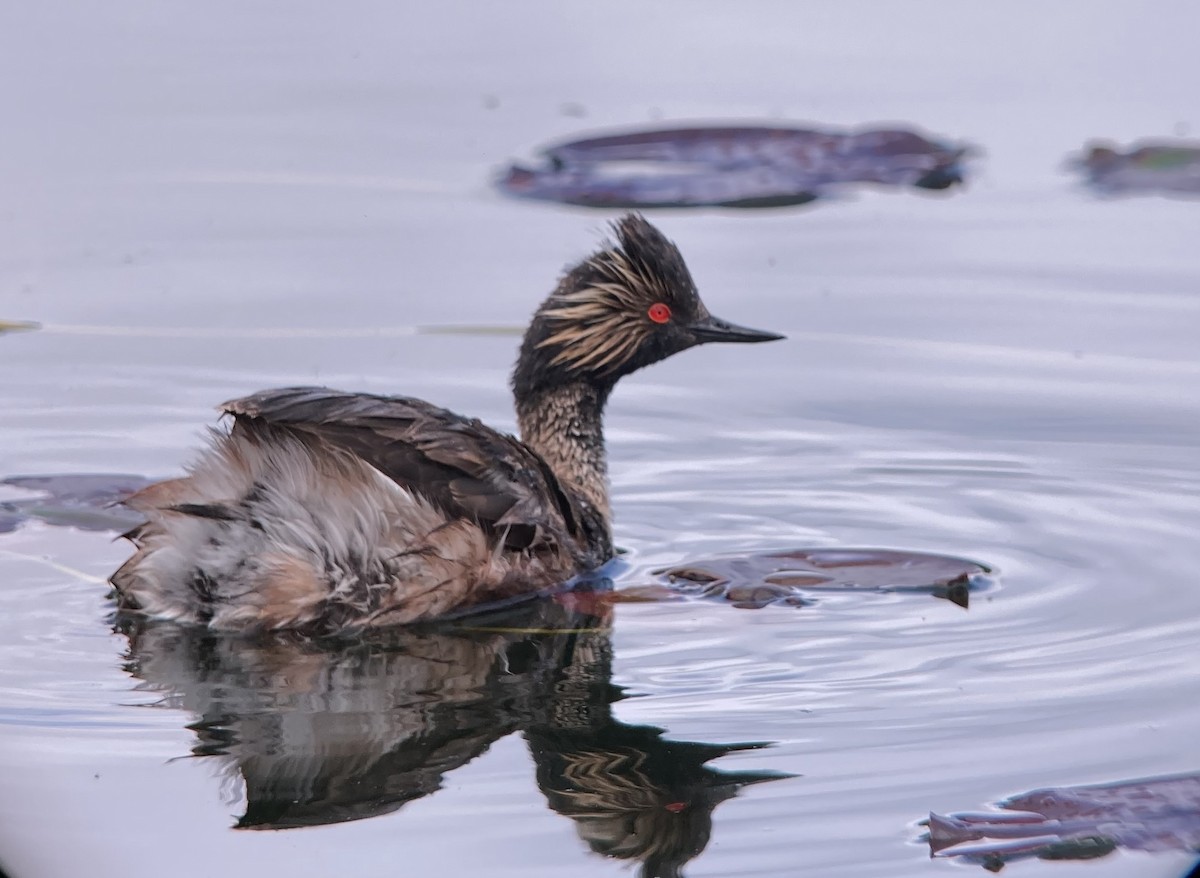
199 202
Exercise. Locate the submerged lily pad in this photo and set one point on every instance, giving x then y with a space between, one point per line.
85 501
1074 823
1159 167
791 577
731 166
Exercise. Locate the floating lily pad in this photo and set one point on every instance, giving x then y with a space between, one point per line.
794 577
1075 823
731 166
85 501
1161 167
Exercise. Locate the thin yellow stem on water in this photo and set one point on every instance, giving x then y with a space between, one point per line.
19 326
259 332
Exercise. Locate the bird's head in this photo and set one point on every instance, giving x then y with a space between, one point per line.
626 306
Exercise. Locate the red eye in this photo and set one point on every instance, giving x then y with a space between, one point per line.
659 313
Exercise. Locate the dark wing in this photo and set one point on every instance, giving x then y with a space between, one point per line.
463 467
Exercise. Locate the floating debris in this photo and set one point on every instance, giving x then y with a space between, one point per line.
88 502
732 166
790 578
1075 823
1160 167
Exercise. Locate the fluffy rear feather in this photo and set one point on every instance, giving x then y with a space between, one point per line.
275 528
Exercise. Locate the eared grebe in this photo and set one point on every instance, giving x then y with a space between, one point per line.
321 510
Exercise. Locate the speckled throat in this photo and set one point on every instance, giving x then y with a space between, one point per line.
564 426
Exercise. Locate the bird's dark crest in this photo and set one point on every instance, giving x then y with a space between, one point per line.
596 322
654 260
642 262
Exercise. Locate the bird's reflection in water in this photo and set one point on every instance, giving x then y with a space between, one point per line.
325 732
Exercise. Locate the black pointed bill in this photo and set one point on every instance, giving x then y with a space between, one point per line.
716 329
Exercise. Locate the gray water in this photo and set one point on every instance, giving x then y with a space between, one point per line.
199 200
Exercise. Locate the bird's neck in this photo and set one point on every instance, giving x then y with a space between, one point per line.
565 426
